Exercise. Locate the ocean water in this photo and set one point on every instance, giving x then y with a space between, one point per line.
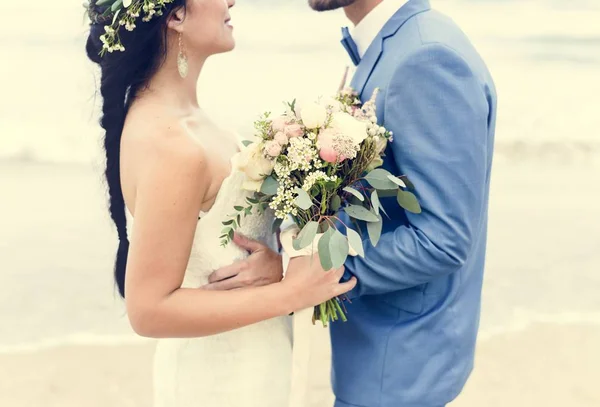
543 54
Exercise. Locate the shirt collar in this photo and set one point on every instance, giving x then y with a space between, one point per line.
368 28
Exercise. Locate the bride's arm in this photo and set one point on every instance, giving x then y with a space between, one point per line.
170 188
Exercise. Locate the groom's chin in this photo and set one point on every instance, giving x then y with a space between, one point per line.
327 5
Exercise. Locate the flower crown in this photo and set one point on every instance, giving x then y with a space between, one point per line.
121 13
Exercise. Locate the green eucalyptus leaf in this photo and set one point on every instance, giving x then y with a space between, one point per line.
115 16
303 200
360 213
408 201
117 4
336 203
324 251
238 208
103 2
409 184
269 186
397 181
339 248
306 236
246 143
355 241
276 225
355 192
377 206
378 178
387 193
374 230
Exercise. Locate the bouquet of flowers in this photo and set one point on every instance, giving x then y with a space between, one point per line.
309 165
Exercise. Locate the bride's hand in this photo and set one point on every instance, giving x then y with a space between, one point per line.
262 267
310 285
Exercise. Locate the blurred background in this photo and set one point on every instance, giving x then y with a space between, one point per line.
64 336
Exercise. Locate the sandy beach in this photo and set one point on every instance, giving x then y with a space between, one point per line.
539 334
544 365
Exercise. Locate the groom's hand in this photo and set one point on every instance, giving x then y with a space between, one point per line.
262 267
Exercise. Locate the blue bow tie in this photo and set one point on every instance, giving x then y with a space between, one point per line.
350 46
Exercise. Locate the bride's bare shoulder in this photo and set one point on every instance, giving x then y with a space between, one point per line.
161 137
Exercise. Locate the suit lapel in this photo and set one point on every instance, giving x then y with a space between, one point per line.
373 53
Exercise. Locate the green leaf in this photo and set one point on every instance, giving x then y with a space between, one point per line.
238 208
276 225
354 192
246 143
336 203
338 248
397 181
303 200
377 207
269 186
116 5
355 241
324 227
226 230
228 222
378 178
374 230
306 236
115 16
248 211
408 201
330 186
230 234
324 252
239 219
103 2
252 201
387 193
361 213
409 184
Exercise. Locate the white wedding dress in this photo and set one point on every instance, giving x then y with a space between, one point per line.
247 367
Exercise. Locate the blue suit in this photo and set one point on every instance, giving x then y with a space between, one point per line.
414 316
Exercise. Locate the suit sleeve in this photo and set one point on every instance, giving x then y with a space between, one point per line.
438 112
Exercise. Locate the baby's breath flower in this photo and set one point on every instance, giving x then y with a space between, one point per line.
301 153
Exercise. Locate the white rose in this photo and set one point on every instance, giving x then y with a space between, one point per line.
313 115
348 125
332 104
255 165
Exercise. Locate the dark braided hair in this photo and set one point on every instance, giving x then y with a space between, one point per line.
123 75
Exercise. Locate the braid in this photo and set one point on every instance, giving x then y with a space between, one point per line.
113 119
122 75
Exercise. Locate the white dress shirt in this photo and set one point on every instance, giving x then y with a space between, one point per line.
368 28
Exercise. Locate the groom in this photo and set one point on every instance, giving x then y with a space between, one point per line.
410 338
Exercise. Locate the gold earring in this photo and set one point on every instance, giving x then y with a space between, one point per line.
182 61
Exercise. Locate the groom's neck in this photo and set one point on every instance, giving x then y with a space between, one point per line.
359 10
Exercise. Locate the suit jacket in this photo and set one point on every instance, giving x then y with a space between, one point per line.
414 315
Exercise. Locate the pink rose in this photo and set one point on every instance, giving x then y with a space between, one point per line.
273 148
279 123
294 130
327 151
281 138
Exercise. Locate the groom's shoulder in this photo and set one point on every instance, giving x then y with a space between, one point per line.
433 30
435 27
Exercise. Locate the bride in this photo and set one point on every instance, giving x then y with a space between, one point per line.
171 181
